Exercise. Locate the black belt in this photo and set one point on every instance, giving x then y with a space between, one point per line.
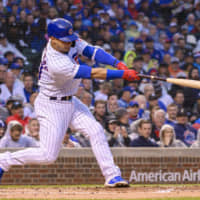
66 98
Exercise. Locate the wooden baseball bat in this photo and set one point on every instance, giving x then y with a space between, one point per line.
177 81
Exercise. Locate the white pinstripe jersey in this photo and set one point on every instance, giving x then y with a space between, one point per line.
57 70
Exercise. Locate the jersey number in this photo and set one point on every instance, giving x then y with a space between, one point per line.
43 65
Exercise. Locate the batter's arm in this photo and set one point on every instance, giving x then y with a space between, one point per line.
85 71
103 57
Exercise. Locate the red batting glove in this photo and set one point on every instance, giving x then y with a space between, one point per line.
121 66
130 75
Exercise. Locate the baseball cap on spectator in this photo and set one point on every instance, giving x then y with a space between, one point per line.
173 24
154 14
138 41
112 119
106 46
132 23
133 104
87 23
15 66
152 97
101 12
174 60
3 61
182 113
152 70
184 27
191 39
16 105
128 88
181 75
149 39
131 40
45 2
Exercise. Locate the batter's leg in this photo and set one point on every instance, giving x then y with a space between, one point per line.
84 121
54 119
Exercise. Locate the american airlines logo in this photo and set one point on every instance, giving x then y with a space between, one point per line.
160 176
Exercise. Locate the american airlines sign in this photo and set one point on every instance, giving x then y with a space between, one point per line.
167 177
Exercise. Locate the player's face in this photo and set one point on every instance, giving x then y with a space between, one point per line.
61 46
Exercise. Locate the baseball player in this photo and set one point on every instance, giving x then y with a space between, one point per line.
56 108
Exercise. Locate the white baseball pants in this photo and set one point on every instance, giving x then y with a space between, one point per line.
55 116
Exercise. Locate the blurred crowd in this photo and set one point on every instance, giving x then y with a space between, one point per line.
154 37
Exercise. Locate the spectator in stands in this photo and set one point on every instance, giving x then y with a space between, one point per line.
138 63
133 110
16 70
117 135
86 98
168 137
32 129
117 86
29 107
100 112
2 128
28 88
112 104
158 121
184 131
191 94
3 70
87 84
154 100
125 97
144 112
123 118
172 110
179 99
174 67
143 140
17 112
104 91
14 137
6 46
7 89
149 43
148 90
138 45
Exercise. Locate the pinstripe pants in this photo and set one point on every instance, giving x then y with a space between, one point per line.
55 116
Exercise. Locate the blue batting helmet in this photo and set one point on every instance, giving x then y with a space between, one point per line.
61 29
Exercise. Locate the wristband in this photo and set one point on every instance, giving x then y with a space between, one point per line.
114 74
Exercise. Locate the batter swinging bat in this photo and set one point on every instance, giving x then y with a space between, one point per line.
177 81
